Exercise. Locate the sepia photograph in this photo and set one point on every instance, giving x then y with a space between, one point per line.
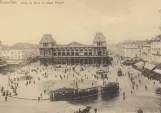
80 56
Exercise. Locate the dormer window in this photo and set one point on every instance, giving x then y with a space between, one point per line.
45 44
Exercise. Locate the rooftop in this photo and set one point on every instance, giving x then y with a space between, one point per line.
137 42
20 46
47 38
74 43
99 37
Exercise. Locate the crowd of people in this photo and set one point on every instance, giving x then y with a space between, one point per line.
34 73
75 76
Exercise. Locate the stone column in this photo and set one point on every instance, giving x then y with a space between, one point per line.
101 60
93 61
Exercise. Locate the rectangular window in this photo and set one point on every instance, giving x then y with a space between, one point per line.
77 54
55 54
41 53
90 53
59 53
68 54
49 52
45 44
72 53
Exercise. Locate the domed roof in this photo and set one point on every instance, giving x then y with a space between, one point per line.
47 38
99 37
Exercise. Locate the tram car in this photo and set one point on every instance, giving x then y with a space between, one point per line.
69 94
119 72
158 90
110 89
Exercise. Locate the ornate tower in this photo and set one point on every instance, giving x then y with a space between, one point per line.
46 49
47 41
99 40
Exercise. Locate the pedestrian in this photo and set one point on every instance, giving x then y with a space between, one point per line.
139 81
95 110
2 89
123 95
3 94
133 87
26 84
41 95
5 98
137 86
146 87
10 94
139 110
44 91
38 99
79 111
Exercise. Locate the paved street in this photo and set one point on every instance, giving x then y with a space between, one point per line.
145 99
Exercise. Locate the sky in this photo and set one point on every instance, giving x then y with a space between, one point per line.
79 20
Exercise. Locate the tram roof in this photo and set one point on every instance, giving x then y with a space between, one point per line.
64 89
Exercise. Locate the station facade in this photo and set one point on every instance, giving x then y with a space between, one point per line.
73 53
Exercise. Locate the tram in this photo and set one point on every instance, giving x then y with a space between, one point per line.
68 94
110 89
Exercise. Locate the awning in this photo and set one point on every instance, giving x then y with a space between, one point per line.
139 64
149 66
157 71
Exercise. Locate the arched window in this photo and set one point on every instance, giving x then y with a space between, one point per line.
59 53
99 52
86 51
68 52
81 50
72 53
68 49
90 52
77 52
63 53
46 52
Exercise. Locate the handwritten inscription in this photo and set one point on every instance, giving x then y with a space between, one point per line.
24 2
8 2
59 3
